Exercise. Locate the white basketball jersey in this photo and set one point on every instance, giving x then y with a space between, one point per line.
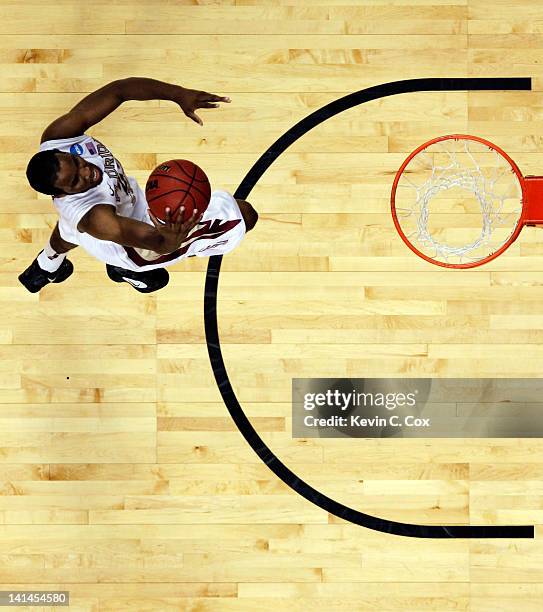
219 231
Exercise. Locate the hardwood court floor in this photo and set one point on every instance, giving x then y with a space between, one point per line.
122 476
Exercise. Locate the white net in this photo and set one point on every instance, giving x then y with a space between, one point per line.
458 201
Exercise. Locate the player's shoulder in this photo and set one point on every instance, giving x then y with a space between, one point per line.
77 145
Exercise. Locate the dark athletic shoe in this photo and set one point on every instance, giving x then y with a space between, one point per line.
144 282
35 278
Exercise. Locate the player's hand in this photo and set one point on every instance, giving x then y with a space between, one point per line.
176 232
191 99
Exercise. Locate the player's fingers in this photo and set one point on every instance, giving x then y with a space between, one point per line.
169 217
194 220
215 98
198 219
153 218
205 96
191 221
194 117
179 218
208 105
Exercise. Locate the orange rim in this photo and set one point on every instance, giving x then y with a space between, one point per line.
509 241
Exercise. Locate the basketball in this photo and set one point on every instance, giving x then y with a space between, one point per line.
176 183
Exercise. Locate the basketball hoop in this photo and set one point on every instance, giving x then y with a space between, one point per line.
459 201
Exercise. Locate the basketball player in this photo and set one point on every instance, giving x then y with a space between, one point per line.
106 212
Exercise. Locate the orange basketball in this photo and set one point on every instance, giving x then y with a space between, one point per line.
176 183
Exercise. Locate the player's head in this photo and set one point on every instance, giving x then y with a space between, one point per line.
42 170
56 173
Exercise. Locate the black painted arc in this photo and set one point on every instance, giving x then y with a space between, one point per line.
366 95
212 332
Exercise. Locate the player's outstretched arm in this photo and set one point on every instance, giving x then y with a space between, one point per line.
102 102
103 223
189 100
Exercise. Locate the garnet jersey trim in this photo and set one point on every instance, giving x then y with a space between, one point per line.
207 230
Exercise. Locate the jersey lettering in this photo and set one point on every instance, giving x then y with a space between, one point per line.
115 171
213 246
